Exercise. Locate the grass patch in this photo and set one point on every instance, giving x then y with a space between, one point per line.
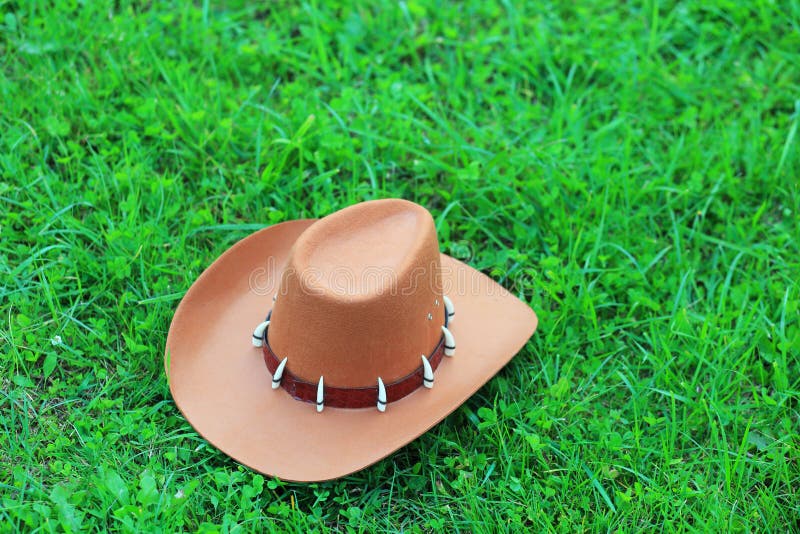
630 170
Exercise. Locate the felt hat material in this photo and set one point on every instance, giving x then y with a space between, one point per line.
357 299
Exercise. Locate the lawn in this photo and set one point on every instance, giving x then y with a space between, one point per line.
628 169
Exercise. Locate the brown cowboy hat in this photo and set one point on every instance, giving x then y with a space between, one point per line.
312 349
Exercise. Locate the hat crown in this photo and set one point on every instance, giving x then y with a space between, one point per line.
361 296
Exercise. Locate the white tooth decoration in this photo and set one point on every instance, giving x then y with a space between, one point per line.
427 375
449 342
448 306
276 378
274 297
381 396
258 334
320 396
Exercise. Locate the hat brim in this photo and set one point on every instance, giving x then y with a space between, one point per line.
221 384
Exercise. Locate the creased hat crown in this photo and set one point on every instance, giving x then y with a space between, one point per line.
361 296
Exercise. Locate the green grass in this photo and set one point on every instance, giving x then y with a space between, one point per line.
630 170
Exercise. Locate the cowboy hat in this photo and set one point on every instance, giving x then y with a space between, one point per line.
312 349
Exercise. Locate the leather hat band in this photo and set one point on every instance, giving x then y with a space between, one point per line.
339 397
